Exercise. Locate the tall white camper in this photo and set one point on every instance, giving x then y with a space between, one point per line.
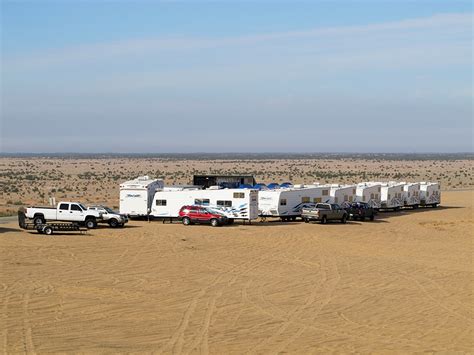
411 194
369 193
430 194
287 203
343 194
392 195
136 196
234 203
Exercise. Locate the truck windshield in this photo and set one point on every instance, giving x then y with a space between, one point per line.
109 210
82 206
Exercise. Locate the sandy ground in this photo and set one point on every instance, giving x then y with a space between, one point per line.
403 283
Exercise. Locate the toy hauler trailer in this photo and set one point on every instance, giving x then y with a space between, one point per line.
287 203
411 194
369 193
343 194
136 196
430 194
392 195
234 203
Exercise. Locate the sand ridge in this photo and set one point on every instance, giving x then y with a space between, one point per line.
402 283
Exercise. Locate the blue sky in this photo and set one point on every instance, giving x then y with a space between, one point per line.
236 76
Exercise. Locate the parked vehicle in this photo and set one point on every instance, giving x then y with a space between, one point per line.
136 196
287 203
65 211
325 212
411 195
430 194
361 211
48 228
234 203
202 215
369 193
109 216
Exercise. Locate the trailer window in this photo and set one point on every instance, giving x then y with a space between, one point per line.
64 206
160 202
75 208
325 192
202 201
239 195
317 199
283 202
224 203
305 199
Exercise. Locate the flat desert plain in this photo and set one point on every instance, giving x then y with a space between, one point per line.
403 283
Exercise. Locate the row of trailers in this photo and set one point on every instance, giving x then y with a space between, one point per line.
145 197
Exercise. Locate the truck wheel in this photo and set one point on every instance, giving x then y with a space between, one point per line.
306 220
38 220
344 219
113 223
324 220
48 230
372 217
186 221
91 223
214 222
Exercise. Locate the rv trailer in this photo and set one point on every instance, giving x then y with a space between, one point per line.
136 196
287 203
411 194
430 194
369 193
343 194
391 195
234 203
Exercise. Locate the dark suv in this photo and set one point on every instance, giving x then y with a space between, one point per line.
361 210
199 214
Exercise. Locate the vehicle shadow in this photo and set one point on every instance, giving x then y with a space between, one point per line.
7 230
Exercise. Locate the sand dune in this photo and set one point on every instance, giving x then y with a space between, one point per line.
402 283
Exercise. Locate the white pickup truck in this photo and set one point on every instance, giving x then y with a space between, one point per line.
65 211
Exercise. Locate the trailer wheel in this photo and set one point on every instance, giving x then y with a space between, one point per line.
293 218
186 221
48 230
230 221
344 219
38 220
91 223
324 220
214 222
113 223
372 217
434 205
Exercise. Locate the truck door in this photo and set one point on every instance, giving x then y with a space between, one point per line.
76 213
63 212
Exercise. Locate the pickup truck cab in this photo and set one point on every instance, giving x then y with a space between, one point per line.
361 210
64 211
109 216
324 212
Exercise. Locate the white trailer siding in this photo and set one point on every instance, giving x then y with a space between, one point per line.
392 196
288 202
430 193
343 194
136 196
411 194
369 193
234 203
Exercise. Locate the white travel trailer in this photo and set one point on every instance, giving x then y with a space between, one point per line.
369 193
411 194
136 196
343 194
430 194
392 195
234 203
287 203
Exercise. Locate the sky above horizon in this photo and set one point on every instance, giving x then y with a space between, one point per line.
236 76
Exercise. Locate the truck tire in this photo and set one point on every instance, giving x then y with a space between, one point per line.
344 219
186 221
214 222
372 217
113 223
306 220
91 223
324 220
38 220
48 230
